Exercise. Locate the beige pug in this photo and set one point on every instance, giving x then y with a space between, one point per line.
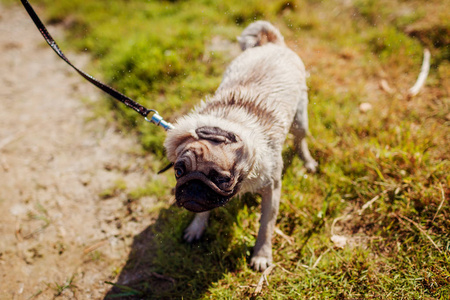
232 142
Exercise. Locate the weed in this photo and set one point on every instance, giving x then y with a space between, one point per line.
95 255
125 291
118 186
68 285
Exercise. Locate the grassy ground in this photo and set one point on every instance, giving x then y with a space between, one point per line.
395 156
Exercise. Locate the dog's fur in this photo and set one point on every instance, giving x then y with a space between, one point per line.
232 142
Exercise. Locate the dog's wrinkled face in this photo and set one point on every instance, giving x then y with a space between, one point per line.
206 169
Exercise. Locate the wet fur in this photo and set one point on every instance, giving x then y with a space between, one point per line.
262 96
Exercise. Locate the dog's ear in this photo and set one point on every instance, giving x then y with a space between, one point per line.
216 134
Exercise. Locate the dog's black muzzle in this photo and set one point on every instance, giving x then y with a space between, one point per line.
197 196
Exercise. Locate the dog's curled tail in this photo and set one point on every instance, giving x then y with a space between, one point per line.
259 33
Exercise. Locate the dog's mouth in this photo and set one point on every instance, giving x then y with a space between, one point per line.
198 193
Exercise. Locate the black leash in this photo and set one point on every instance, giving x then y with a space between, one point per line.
155 119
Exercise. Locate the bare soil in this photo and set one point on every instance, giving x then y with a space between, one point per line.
59 237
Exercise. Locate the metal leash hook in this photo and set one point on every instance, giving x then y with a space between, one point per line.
158 120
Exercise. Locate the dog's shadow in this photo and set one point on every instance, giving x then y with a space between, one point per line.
162 266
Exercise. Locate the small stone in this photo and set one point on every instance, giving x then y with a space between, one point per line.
365 107
339 240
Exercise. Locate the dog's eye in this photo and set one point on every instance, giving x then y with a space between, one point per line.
179 170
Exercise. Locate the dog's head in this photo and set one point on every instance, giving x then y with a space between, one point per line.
207 166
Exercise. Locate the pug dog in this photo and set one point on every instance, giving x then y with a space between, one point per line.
232 142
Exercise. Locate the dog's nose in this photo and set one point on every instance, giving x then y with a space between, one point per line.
196 196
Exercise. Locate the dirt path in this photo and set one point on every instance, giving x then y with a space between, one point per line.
58 237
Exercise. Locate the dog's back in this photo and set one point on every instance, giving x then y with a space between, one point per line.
268 72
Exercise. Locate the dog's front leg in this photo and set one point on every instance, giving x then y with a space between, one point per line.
195 230
262 254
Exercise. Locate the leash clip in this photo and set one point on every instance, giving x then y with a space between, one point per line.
158 120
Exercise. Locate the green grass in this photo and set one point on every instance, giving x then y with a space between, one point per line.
399 248
60 288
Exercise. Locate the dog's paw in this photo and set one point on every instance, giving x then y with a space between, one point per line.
260 263
311 166
194 231
191 236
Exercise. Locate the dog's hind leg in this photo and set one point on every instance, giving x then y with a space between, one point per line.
195 230
299 129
